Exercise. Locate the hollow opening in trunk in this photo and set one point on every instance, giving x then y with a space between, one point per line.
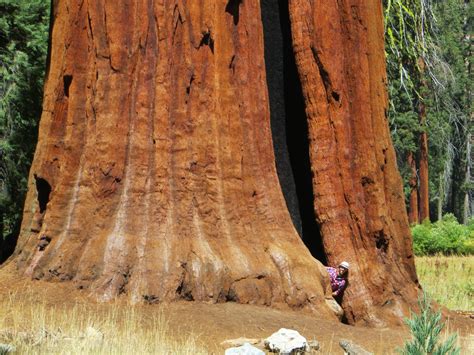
44 189
289 124
67 80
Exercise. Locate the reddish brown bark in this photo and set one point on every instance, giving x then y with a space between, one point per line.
358 197
413 183
154 175
424 182
424 195
423 192
155 141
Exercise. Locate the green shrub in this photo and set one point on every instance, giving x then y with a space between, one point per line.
425 330
421 238
468 246
446 237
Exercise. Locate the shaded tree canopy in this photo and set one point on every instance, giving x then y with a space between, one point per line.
437 34
23 44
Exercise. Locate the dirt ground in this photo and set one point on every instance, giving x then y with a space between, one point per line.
214 323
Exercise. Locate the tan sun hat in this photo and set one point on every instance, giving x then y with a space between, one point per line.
345 265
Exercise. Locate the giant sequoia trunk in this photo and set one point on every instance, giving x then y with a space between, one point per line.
154 175
358 197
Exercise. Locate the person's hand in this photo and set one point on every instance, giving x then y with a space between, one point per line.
334 294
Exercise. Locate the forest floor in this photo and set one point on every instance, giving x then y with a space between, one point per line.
41 317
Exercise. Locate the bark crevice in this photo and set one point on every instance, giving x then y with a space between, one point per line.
289 124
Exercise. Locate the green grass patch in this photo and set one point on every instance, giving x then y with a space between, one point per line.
448 279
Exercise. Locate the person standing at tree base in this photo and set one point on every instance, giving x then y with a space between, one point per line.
338 277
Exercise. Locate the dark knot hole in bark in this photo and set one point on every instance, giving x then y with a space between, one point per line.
207 40
289 124
232 8
67 80
44 189
381 241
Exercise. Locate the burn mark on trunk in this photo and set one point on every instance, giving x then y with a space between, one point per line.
232 8
44 190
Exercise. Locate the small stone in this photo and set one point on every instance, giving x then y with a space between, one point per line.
245 349
286 341
353 349
6 349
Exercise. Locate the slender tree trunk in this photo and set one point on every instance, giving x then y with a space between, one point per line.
358 196
424 196
413 204
424 206
467 180
441 196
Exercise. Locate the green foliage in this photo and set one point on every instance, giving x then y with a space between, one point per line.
446 237
450 108
426 328
409 47
408 39
23 47
436 31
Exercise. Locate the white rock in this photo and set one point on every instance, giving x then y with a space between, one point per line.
286 341
245 349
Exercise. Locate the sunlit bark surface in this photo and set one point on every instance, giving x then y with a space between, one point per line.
358 197
154 176
155 143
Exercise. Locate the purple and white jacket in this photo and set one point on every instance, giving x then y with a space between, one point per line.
337 283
